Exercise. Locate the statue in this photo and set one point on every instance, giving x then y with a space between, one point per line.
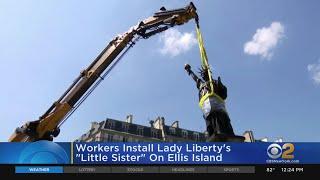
212 104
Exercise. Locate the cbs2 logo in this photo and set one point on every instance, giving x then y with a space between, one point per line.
275 151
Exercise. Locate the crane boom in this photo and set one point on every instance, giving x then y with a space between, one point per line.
47 125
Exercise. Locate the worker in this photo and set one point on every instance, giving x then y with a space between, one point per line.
213 106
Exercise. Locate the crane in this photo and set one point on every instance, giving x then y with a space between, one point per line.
48 125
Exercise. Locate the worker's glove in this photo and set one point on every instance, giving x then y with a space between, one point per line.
187 67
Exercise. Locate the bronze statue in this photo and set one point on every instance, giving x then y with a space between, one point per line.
212 104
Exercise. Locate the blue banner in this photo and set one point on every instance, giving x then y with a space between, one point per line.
40 152
196 153
45 152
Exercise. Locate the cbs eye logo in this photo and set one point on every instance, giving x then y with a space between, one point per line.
275 151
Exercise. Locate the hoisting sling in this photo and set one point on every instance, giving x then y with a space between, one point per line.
205 66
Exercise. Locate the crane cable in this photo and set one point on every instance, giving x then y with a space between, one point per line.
101 78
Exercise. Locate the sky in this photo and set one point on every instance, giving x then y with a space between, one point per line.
266 52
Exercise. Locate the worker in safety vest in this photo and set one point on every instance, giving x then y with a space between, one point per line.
212 104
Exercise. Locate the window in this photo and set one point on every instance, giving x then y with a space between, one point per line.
125 127
196 136
140 131
124 139
154 133
110 138
172 131
110 125
117 138
184 134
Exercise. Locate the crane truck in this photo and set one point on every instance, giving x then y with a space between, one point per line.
48 125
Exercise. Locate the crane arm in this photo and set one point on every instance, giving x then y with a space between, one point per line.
47 125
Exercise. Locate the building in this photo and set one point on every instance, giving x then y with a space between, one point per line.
248 135
111 130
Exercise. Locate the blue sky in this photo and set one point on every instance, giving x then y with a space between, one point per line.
273 85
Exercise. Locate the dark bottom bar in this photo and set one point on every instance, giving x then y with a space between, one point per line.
287 169
162 170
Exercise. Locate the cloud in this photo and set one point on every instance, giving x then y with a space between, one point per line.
176 42
314 70
265 40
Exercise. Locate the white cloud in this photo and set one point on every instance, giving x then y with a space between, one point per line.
175 42
265 40
314 70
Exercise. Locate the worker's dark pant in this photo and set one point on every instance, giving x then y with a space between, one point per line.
218 122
